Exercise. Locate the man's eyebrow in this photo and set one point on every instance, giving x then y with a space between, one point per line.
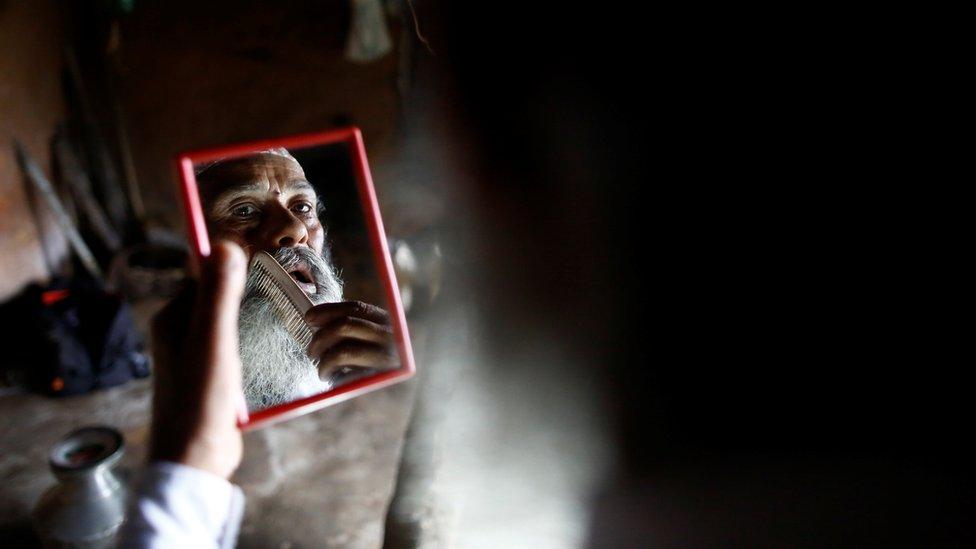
242 187
301 184
292 184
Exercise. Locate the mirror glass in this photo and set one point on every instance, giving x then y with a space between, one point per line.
305 207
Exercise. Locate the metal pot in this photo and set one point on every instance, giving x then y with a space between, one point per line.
87 506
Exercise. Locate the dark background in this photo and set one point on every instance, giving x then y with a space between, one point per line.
329 169
730 215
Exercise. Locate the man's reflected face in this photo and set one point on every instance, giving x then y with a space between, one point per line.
262 202
265 203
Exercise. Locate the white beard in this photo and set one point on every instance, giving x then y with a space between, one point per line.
276 369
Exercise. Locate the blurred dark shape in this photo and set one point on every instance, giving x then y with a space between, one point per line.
109 186
670 200
70 338
79 183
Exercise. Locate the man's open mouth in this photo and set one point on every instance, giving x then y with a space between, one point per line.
302 275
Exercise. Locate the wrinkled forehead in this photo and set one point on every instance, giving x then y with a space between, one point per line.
256 172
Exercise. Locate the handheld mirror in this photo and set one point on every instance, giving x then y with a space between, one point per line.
321 318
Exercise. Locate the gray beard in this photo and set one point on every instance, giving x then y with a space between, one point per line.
276 369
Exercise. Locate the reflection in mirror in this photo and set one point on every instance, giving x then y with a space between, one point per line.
303 208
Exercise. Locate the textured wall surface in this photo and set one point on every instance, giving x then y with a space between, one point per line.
31 105
234 73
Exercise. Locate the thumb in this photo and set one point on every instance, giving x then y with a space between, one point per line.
222 277
221 285
219 299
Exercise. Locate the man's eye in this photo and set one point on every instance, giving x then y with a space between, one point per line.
244 211
302 208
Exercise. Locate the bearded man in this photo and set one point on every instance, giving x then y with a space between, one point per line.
264 202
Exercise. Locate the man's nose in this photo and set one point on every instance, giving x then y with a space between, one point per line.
285 230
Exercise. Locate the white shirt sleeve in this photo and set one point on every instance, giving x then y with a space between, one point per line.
179 506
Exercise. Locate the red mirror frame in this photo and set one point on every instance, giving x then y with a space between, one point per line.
200 242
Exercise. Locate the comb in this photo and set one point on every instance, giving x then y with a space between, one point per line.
289 301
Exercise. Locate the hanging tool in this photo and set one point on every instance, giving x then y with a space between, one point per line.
43 186
75 175
103 168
